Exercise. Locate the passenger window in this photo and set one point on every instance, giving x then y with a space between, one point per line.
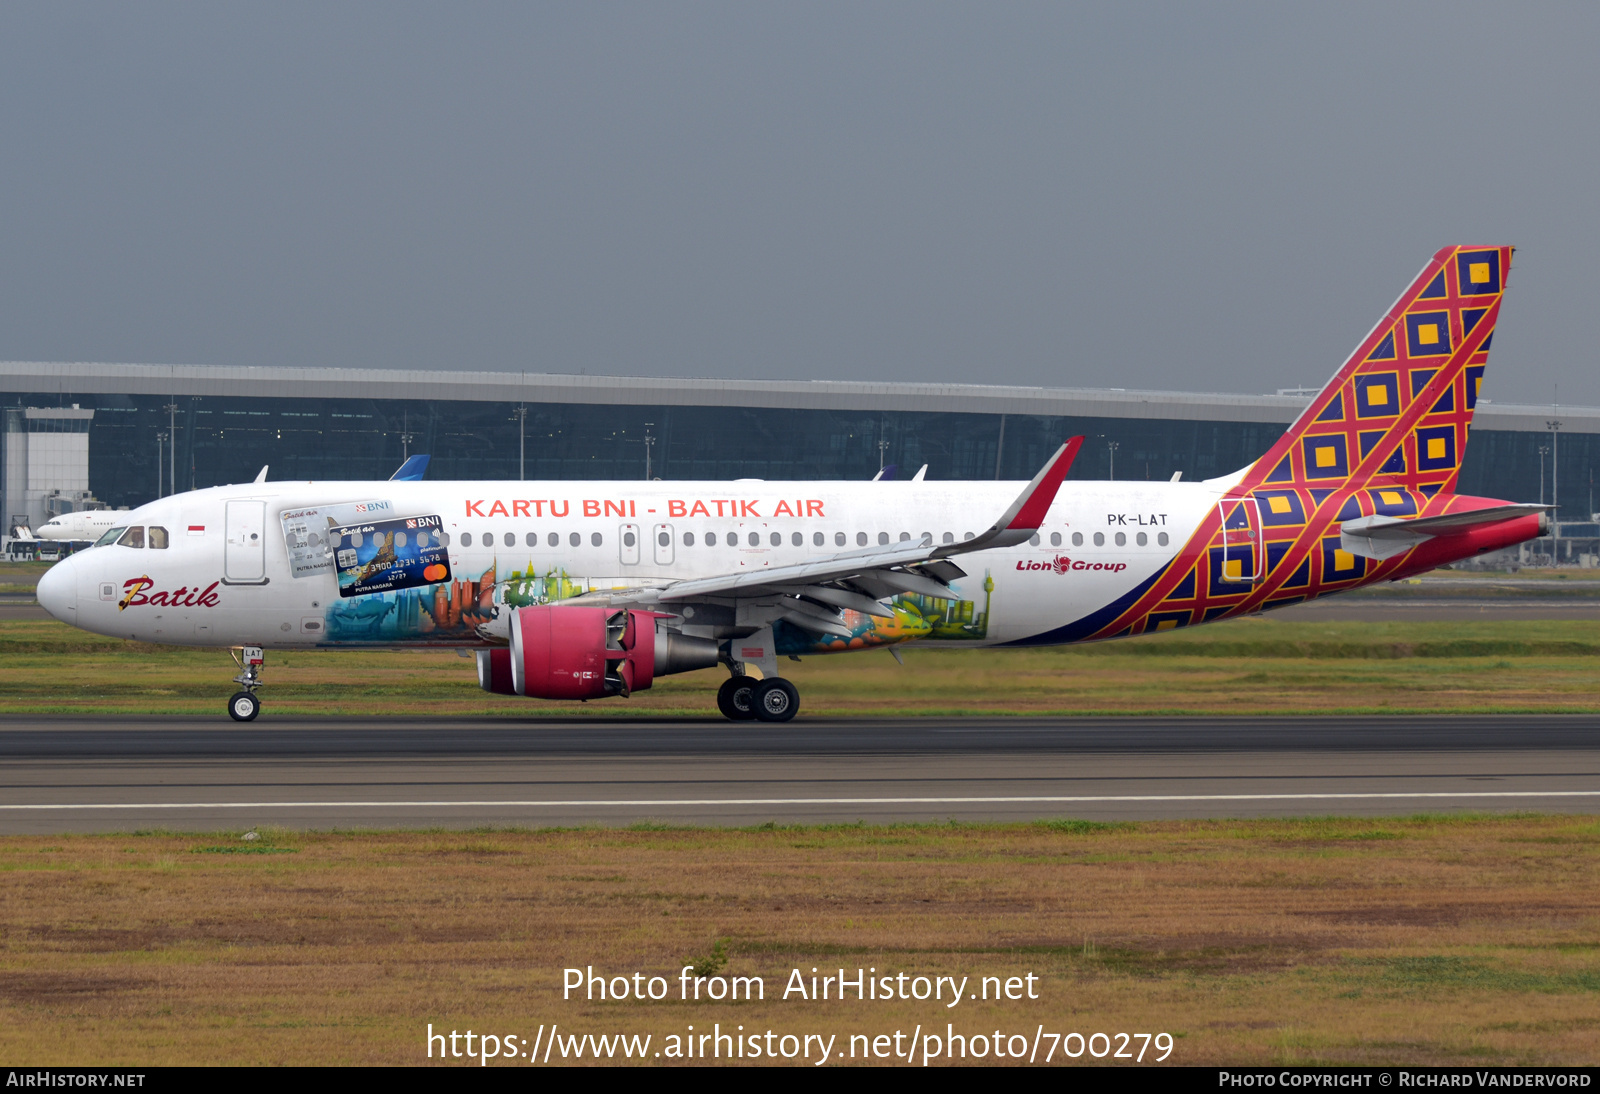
627 540
664 539
1161 538
488 539
422 539
949 537
1099 539
133 537
1122 539
1077 539
838 539
904 536
861 539
797 539
158 538
966 536
1141 539
466 539
883 539
596 539
1055 539
1033 540
755 539
531 539
688 539
575 539
711 539
817 539
777 539
511 539
444 538
399 539
553 539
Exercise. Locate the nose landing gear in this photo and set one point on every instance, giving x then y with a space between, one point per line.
244 706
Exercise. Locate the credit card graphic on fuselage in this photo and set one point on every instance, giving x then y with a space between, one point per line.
384 555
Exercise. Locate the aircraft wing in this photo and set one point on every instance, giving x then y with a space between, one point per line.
812 594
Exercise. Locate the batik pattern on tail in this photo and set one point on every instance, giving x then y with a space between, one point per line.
1385 436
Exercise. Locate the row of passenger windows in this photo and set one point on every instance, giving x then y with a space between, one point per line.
775 539
135 537
1121 539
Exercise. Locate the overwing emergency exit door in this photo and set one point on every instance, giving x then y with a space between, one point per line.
628 544
244 552
1243 550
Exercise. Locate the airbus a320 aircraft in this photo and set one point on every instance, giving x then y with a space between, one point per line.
582 590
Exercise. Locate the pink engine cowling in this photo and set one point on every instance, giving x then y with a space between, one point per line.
588 653
581 653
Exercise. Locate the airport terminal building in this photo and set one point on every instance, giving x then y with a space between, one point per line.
148 430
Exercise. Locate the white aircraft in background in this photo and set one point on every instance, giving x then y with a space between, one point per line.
582 590
88 524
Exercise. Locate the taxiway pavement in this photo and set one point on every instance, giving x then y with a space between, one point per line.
62 774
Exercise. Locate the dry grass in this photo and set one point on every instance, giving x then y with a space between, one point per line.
1421 940
1252 666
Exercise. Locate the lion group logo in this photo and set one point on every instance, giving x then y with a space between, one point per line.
134 595
1061 564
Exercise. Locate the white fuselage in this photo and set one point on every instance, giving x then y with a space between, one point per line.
224 578
89 524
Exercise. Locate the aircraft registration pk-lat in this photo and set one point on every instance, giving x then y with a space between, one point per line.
582 590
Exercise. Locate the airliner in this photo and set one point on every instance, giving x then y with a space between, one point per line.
84 525
590 590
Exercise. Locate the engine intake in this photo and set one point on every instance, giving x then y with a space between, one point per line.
588 653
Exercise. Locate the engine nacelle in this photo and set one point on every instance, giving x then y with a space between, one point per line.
494 671
588 653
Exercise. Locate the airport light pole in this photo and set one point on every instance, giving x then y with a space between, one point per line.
522 442
1111 447
649 443
161 483
172 445
1554 426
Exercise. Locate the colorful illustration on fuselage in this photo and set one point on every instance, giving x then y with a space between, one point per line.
526 588
446 612
915 617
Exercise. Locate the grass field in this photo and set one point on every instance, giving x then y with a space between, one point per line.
1459 940
1250 666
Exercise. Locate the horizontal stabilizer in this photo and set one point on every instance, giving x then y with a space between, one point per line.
1381 537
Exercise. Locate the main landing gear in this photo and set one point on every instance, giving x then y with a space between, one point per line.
244 706
742 698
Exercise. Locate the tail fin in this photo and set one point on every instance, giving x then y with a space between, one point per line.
1398 412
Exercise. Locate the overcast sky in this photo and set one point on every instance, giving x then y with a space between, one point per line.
1187 196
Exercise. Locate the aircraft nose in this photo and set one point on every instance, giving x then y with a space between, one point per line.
58 591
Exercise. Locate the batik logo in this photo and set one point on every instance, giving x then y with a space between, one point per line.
134 595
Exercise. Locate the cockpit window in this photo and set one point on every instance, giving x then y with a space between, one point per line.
133 537
110 536
158 538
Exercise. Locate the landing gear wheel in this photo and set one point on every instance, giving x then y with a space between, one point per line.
734 698
243 707
776 700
